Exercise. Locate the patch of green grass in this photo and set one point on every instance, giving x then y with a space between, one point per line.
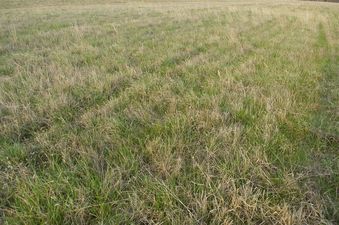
168 112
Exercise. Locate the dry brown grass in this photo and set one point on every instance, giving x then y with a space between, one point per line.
168 112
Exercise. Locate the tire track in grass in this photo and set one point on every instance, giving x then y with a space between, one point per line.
276 194
323 173
107 94
326 122
88 104
120 96
180 64
41 157
79 103
169 188
120 93
42 124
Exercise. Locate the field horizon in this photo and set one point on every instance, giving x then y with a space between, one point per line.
169 112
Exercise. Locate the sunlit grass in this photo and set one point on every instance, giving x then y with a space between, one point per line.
173 113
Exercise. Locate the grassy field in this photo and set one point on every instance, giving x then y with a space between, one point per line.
169 113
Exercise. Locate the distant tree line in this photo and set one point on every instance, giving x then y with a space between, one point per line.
325 0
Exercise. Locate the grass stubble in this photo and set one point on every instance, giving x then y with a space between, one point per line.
169 112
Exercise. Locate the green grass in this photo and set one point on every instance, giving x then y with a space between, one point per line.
169 112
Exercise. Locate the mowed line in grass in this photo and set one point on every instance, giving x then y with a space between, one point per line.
146 70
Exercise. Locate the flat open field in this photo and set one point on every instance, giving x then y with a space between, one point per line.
169 112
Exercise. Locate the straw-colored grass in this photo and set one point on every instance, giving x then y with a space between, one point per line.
169 112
